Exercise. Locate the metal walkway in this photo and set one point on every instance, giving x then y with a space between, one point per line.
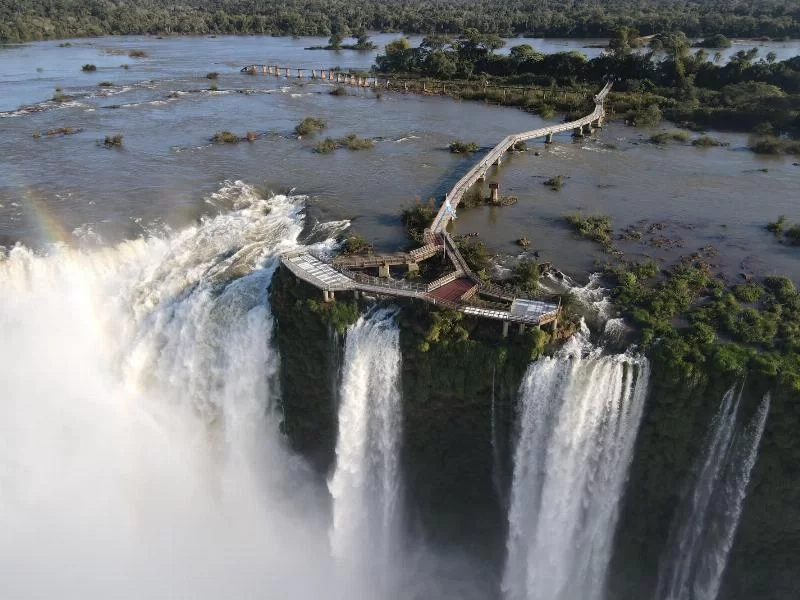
456 288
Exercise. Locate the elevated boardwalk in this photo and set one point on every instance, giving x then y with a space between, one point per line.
456 289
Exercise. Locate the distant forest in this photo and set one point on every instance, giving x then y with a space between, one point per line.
23 20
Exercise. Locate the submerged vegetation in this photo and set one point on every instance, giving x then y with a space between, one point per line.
555 183
784 230
113 141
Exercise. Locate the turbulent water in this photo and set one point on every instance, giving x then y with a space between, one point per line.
579 416
140 455
706 521
365 485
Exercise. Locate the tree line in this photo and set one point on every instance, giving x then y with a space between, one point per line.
670 79
22 20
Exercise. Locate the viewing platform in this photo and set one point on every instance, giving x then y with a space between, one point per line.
459 289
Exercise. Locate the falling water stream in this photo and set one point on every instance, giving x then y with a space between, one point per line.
365 485
579 416
706 520
140 456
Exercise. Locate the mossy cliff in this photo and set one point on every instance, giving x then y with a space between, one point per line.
672 435
455 482
457 464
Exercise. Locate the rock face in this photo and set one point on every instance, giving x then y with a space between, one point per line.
460 383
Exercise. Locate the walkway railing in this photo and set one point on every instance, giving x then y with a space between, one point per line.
453 198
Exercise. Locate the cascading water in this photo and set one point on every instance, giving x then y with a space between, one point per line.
579 416
140 455
366 484
706 520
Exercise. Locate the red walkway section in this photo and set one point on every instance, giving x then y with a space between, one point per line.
452 291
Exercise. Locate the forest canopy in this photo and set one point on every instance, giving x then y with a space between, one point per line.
22 20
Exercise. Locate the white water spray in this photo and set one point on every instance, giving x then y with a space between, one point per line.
580 413
139 454
366 483
706 521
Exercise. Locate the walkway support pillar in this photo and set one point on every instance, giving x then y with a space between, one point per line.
494 192
505 329
549 138
413 267
383 271
554 325
522 327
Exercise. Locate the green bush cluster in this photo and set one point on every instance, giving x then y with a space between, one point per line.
783 228
417 218
113 141
555 183
594 227
350 141
673 135
460 147
309 125
750 326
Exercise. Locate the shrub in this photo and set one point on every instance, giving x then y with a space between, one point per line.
649 115
309 125
793 235
594 227
520 146
748 292
766 145
126 67
778 226
417 218
250 136
212 75
353 142
705 141
326 146
225 137
105 84
37 134
356 244
338 91
113 141
674 135
137 54
555 183
459 147
88 68
212 87
61 131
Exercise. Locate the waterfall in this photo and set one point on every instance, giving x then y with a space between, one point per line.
140 455
497 475
365 484
579 416
705 524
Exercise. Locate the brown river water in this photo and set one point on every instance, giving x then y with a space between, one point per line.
69 189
